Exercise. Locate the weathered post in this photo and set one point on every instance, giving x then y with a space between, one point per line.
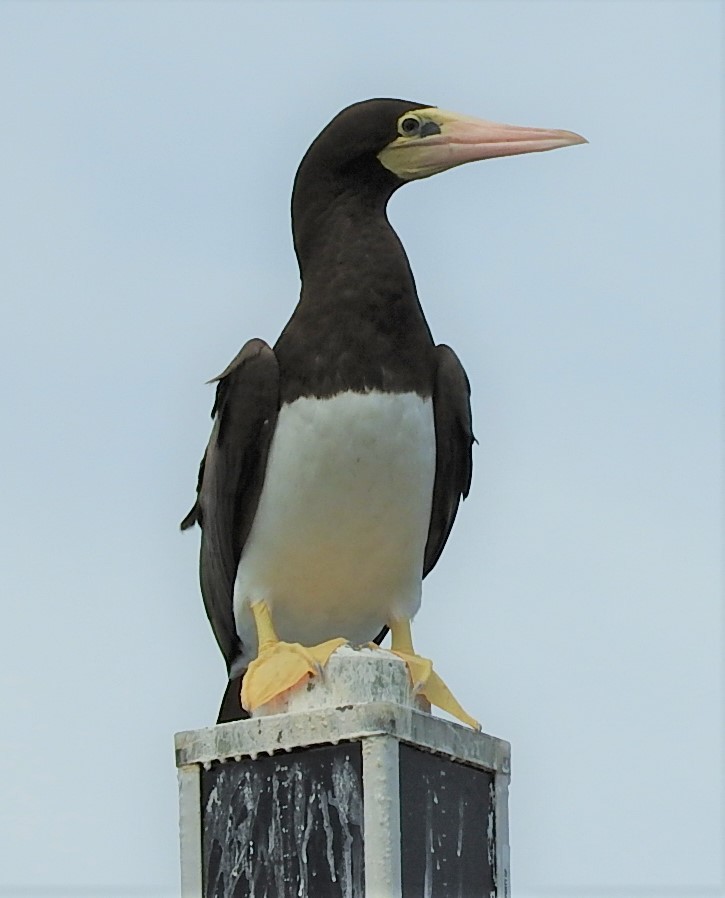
346 788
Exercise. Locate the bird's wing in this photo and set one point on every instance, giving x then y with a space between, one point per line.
231 476
454 444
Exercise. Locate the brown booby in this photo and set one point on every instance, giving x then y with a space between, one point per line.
338 458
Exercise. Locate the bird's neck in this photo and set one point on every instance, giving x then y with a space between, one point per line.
358 318
354 255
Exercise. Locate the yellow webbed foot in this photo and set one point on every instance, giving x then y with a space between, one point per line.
426 681
281 665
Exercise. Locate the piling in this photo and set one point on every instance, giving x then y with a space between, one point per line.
346 787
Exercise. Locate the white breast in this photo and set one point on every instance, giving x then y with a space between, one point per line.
337 543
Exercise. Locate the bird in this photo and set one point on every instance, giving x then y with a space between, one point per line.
338 457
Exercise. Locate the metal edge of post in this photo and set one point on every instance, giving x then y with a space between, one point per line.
381 811
190 830
502 780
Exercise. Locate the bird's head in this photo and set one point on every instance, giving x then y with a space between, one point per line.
411 140
371 148
429 140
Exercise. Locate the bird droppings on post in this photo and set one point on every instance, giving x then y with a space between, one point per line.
273 827
447 826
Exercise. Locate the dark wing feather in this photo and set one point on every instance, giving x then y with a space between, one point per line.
454 444
231 476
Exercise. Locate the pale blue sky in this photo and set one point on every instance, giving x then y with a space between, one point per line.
146 158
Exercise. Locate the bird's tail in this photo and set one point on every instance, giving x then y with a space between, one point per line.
231 707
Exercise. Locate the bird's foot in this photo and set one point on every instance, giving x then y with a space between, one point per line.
281 665
426 681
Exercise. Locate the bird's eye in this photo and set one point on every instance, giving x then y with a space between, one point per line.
409 125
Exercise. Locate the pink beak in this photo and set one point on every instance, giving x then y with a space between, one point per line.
469 139
462 139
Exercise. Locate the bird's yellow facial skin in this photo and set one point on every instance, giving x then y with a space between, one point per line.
408 156
431 140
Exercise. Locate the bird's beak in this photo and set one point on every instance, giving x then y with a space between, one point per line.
460 139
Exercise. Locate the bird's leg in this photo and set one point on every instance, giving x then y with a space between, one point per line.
279 665
425 680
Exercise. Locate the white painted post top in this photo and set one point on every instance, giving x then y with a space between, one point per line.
352 676
362 692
